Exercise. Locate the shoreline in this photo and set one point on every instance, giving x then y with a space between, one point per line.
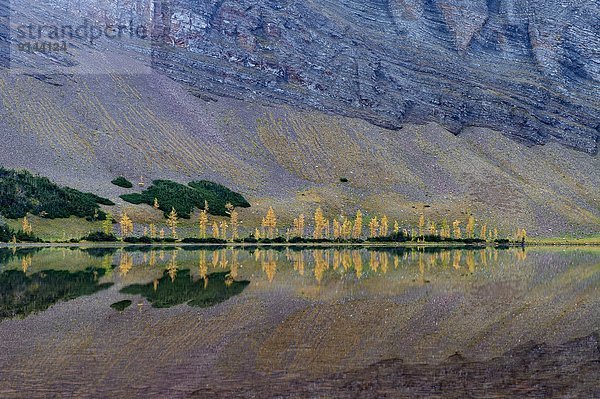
324 245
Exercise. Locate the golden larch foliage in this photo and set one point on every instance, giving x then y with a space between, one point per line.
456 230
384 226
270 223
215 230
374 227
470 228
357 229
172 221
126 225
26 226
421 225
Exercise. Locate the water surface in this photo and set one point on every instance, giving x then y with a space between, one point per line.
299 322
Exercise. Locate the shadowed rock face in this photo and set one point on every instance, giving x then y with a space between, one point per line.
529 68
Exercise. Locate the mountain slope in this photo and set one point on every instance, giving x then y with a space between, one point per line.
84 131
530 69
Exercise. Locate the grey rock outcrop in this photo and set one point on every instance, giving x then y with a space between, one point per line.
528 68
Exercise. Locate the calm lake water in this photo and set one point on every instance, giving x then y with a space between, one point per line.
299 322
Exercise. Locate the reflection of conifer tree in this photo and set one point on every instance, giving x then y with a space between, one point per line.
152 261
202 265
357 262
346 260
456 259
125 264
384 260
374 261
471 261
337 259
172 267
321 265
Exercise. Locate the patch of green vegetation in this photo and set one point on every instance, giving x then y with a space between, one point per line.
182 289
57 230
121 305
22 193
122 182
21 295
208 240
184 198
99 236
7 234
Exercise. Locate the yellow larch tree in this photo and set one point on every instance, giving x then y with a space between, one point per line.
215 230
421 225
172 221
152 231
457 234
374 227
235 222
126 225
26 226
156 205
470 228
445 230
337 229
346 228
319 224
223 228
483 232
203 223
270 223
384 226
301 224
358 225
396 227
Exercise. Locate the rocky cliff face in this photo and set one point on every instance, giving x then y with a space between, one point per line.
528 68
